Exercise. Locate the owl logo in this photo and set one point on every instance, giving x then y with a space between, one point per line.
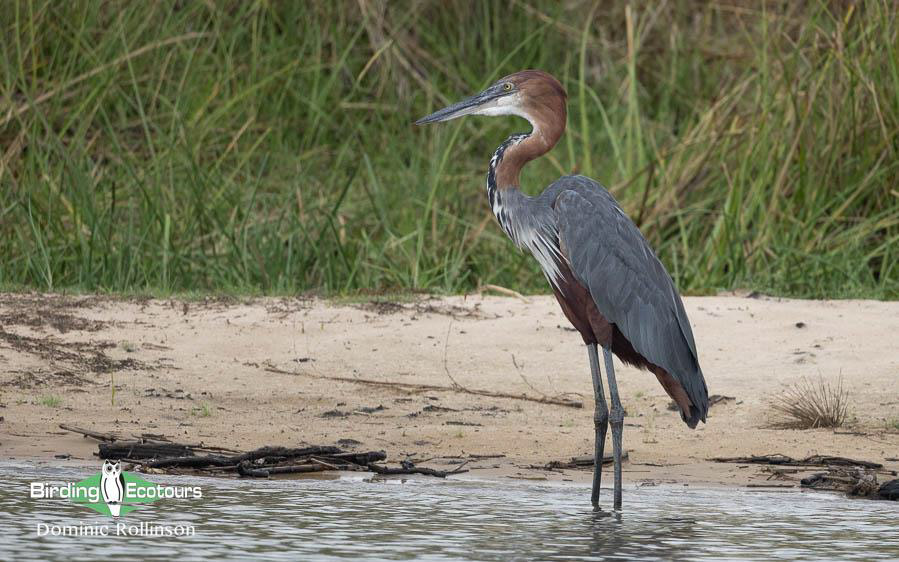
112 485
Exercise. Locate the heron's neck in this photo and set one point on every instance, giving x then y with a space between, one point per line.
512 155
526 224
497 165
504 172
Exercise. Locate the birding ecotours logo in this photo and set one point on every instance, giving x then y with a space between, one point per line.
112 491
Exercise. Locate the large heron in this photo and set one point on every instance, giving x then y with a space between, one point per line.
606 277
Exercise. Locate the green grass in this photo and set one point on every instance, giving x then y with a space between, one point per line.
267 147
50 401
204 410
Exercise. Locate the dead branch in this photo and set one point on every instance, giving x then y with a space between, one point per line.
814 460
409 468
99 436
417 388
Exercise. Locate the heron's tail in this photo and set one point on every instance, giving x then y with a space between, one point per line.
689 393
698 394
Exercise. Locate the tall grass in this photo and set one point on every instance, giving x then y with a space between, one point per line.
268 146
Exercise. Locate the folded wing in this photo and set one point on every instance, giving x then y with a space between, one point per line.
631 288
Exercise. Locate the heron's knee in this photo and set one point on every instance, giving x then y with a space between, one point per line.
600 418
616 416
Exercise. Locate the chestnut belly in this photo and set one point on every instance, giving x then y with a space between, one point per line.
580 309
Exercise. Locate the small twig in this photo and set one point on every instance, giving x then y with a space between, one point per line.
445 349
458 469
503 291
520 374
152 437
323 463
415 388
99 436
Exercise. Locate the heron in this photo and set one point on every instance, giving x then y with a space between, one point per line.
606 277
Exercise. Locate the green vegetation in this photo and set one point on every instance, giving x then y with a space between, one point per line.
203 411
50 401
267 147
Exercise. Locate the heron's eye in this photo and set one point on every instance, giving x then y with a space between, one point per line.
507 86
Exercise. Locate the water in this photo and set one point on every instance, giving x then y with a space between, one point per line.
427 518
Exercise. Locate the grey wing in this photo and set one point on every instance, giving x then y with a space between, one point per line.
631 288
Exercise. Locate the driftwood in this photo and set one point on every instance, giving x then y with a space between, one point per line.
158 453
783 460
246 469
189 462
409 468
138 442
265 461
138 450
284 453
853 481
841 474
889 490
582 462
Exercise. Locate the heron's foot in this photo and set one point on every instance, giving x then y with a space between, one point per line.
601 514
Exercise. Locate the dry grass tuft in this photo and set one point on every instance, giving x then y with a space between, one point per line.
809 405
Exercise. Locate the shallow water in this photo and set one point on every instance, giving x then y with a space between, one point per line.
427 518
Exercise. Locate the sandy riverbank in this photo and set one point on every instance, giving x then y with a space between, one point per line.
278 372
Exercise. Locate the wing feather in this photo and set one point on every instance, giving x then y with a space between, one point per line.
630 286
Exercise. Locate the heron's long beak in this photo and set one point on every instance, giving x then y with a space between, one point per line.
462 108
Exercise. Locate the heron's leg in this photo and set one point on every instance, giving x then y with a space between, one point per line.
600 422
616 420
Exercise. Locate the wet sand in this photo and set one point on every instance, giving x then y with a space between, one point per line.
418 378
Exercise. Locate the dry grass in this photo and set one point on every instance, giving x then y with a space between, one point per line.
809 405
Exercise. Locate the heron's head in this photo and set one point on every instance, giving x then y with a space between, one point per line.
532 94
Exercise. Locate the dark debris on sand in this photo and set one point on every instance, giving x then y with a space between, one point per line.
158 454
853 477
